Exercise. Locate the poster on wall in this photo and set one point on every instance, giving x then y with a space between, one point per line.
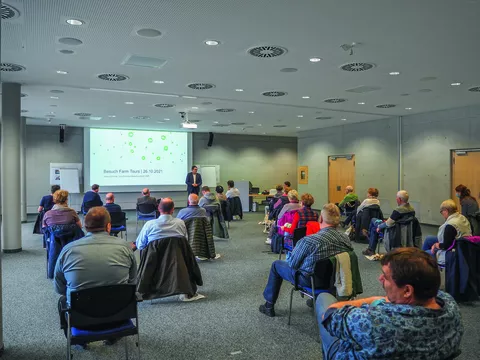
55 173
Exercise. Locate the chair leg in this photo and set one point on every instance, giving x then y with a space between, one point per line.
315 309
290 306
280 254
69 342
126 347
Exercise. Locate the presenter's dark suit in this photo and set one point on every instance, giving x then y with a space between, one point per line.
91 199
189 181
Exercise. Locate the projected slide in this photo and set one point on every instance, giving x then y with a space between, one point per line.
135 157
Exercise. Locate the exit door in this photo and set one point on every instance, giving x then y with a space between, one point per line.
466 171
341 173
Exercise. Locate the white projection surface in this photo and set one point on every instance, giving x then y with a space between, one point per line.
138 158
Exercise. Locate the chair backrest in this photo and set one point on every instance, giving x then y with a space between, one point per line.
88 205
298 234
119 218
211 209
226 211
474 223
324 274
102 305
146 209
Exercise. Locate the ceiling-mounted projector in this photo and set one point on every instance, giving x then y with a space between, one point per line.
186 124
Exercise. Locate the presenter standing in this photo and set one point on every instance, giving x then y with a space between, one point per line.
193 181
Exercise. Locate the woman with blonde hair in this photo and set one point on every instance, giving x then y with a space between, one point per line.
455 226
61 214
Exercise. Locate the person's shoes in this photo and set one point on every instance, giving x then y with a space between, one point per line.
195 297
110 342
269 241
217 256
199 258
269 311
368 252
310 303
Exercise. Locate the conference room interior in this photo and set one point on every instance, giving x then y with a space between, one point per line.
323 94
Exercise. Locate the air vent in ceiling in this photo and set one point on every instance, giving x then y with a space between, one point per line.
474 89
267 51
57 91
112 77
238 123
70 41
289 70
274 93
323 118
164 105
9 12
363 89
141 117
206 103
334 100
220 125
66 52
357 67
9 67
279 126
385 106
201 86
83 114
225 110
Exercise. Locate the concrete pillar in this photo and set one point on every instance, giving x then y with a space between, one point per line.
23 169
11 222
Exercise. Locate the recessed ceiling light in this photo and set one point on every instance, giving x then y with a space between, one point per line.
95 118
166 119
215 122
251 112
74 22
298 127
112 116
239 90
344 119
315 59
212 42
194 107
456 84
408 108
158 82
361 103
393 73
128 103
54 97
189 97
299 116
62 72
305 97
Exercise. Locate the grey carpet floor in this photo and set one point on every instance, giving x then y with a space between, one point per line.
225 325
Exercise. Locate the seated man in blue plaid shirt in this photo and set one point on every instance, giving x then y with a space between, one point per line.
327 242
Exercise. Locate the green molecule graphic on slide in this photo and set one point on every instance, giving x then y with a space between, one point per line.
138 157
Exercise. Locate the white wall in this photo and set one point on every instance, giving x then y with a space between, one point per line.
426 143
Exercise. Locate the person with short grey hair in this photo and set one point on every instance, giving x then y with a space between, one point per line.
192 210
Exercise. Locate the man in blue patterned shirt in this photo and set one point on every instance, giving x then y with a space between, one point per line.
327 242
414 320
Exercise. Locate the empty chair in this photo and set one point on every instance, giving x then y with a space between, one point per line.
217 222
101 313
226 211
145 212
119 223
168 267
200 237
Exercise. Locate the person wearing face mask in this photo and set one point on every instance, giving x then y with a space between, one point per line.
468 203
404 324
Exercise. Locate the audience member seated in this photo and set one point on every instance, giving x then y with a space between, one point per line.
301 218
110 204
220 195
292 204
46 204
402 209
208 198
287 186
146 200
455 226
277 204
468 202
232 190
164 227
372 195
91 199
192 210
97 259
274 199
413 321
61 214
349 204
349 197
327 242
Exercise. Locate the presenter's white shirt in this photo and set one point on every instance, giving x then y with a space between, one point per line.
194 178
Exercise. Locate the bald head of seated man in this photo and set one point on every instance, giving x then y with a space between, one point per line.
110 204
192 210
163 227
146 202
